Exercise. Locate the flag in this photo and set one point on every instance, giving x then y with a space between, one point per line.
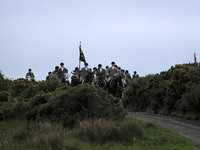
81 58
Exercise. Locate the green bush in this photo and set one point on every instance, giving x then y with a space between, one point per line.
161 91
5 96
20 85
4 82
68 105
190 100
37 87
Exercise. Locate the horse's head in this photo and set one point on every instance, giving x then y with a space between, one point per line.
90 77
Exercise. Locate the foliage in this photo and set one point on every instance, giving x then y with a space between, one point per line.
4 82
5 96
69 104
161 92
190 101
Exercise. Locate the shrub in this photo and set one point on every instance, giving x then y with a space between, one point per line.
41 133
161 91
190 100
5 96
4 82
38 87
68 105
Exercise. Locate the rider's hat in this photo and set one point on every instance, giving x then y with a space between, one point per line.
135 71
62 64
49 72
113 62
95 68
56 67
122 70
86 63
126 71
29 69
107 67
99 65
76 68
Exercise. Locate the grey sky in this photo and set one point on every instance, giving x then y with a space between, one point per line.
148 36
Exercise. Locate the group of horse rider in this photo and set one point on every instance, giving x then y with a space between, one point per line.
107 74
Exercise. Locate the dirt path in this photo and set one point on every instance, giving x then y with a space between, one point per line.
187 128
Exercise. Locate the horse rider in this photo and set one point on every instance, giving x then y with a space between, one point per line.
75 73
85 70
30 75
127 76
135 75
56 68
119 71
113 71
101 72
55 74
122 73
61 72
95 74
107 74
49 76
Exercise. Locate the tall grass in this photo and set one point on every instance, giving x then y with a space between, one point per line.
103 131
41 133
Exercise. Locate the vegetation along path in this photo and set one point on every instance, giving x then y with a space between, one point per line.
187 128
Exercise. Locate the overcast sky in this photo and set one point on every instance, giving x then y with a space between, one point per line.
148 36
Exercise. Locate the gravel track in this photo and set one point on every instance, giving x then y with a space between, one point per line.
187 128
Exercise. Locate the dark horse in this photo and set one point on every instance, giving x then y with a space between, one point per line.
89 78
101 82
115 86
74 81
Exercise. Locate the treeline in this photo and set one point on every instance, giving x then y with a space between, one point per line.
52 101
172 92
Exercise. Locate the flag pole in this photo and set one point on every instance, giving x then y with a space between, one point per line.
79 57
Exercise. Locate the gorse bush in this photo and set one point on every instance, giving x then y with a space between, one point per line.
68 105
5 83
190 101
165 92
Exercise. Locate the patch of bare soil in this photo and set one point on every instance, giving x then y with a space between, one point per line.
187 128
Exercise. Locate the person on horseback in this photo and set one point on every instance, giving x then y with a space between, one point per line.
127 76
101 72
95 74
56 68
61 73
122 73
107 74
113 71
85 70
75 73
29 75
49 76
135 75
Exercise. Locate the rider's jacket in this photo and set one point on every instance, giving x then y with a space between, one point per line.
30 74
61 72
101 73
128 77
112 71
84 71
